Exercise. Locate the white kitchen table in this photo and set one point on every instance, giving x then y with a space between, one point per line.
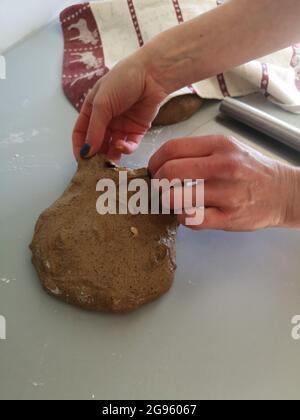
223 330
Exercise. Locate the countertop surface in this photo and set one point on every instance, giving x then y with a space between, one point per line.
223 330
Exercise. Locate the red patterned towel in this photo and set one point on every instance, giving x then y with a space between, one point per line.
98 34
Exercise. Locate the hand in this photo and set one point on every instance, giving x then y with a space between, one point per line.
119 110
244 190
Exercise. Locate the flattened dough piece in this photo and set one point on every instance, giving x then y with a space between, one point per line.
178 109
113 262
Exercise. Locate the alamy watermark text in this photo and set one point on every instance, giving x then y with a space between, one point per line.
2 328
2 68
296 327
137 196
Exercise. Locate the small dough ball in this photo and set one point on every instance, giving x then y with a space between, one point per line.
178 109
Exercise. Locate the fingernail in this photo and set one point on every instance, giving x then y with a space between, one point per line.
120 148
85 150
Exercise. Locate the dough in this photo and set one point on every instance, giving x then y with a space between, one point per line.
113 262
178 109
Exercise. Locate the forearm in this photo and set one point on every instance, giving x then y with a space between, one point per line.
228 36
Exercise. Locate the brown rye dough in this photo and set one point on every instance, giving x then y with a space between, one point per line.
178 109
105 263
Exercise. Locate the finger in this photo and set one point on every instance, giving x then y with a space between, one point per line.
220 194
191 169
129 144
82 123
112 152
81 127
213 218
183 197
186 147
106 143
99 121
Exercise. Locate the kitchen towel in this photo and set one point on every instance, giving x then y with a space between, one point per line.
99 34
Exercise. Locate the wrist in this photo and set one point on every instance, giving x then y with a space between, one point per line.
291 206
167 62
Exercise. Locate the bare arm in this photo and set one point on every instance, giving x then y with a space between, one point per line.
228 36
122 105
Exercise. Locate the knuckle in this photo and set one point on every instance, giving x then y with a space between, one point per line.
207 170
231 167
98 104
229 143
234 200
171 148
102 107
169 170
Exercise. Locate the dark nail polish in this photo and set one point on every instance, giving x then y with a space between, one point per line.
85 150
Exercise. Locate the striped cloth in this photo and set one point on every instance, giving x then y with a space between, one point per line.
99 34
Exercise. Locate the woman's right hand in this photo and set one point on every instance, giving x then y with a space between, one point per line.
119 110
244 190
